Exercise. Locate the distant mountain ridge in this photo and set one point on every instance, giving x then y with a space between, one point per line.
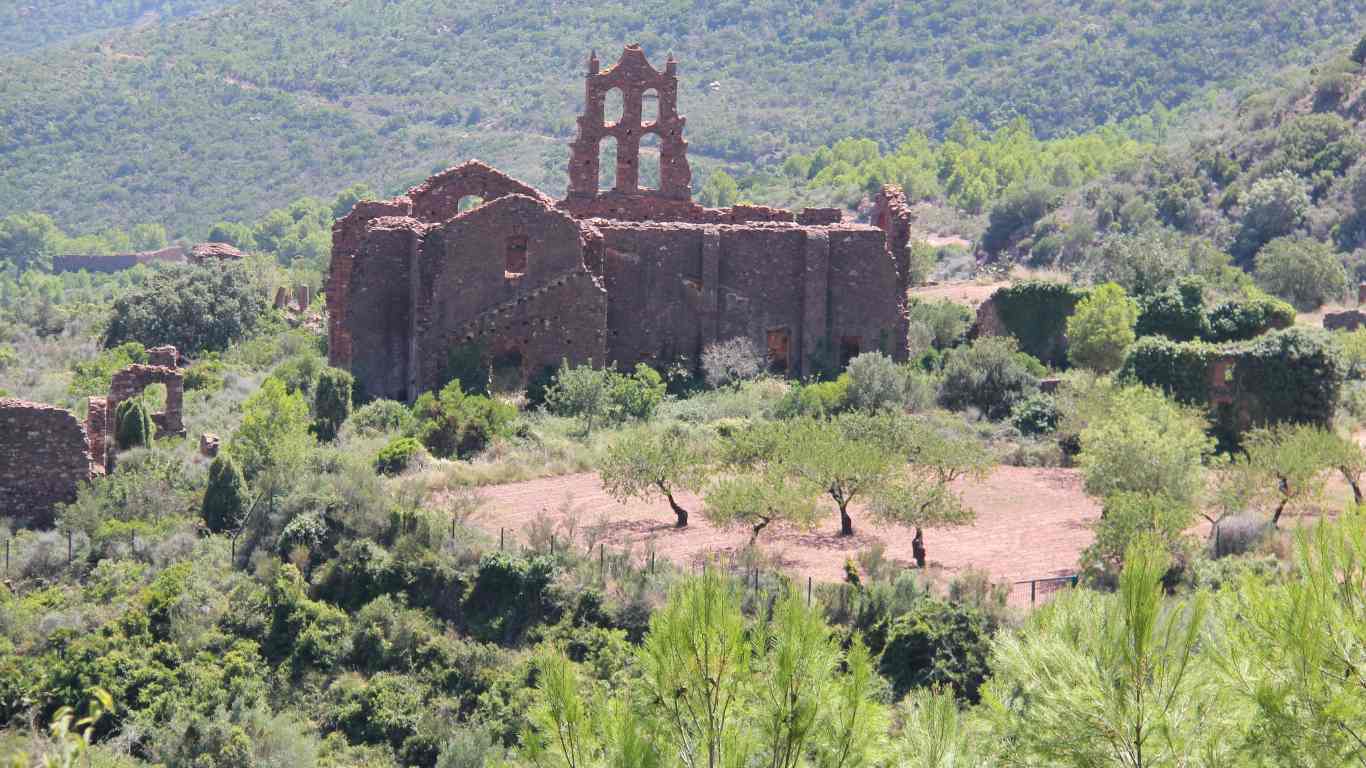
227 114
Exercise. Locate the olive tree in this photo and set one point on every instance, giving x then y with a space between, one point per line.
920 493
644 463
1142 442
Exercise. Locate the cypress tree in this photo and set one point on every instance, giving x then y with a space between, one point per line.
331 403
225 500
133 424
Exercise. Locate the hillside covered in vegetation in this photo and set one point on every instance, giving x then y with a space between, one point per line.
226 114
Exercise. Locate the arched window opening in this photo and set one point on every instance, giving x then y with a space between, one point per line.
649 107
614 106
607 163
154 397
650 168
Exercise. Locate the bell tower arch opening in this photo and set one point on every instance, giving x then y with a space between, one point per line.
648 118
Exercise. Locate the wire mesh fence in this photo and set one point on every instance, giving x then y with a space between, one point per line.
1039 591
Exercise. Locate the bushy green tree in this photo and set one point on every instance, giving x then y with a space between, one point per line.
194 308
1141 442
454 424
274 430
28 240
875 383
719 190
225 498
637 396
1102 328
1276 207
1129 517
395 457
989 375
1305 272
582 392
331 402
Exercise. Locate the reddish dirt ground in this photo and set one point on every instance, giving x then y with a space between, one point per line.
968 293
1031 524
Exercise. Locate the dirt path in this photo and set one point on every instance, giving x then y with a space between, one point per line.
1031 523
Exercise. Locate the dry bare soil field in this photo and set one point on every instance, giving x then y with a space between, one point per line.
1031 524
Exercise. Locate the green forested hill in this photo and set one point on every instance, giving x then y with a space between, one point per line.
225 115
28 24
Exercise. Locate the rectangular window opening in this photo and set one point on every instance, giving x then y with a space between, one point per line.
515 258
779 342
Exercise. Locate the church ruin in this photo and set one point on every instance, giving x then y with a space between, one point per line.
616 276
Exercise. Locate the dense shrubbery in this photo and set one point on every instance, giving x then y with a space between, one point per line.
1293 375
1035 313
194 308
453 424
599 395
990 375
395 457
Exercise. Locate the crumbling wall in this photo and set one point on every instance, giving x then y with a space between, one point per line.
867 295
44 458
99 431
1348 320
131 381
674 288
892 214
510 274
379 314
347 234
438 198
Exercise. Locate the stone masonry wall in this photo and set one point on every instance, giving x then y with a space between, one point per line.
510 274
44 458
131 381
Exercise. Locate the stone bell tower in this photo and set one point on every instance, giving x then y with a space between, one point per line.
634 77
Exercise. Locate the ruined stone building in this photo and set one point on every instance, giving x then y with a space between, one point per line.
46 453
617 276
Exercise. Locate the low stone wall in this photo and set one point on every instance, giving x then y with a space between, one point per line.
44 458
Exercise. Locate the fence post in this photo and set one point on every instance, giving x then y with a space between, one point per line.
1033 585
500 538
7 557
68 547
552 545
808 591
602 561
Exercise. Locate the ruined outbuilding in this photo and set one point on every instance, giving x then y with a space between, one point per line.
620 276
46 453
